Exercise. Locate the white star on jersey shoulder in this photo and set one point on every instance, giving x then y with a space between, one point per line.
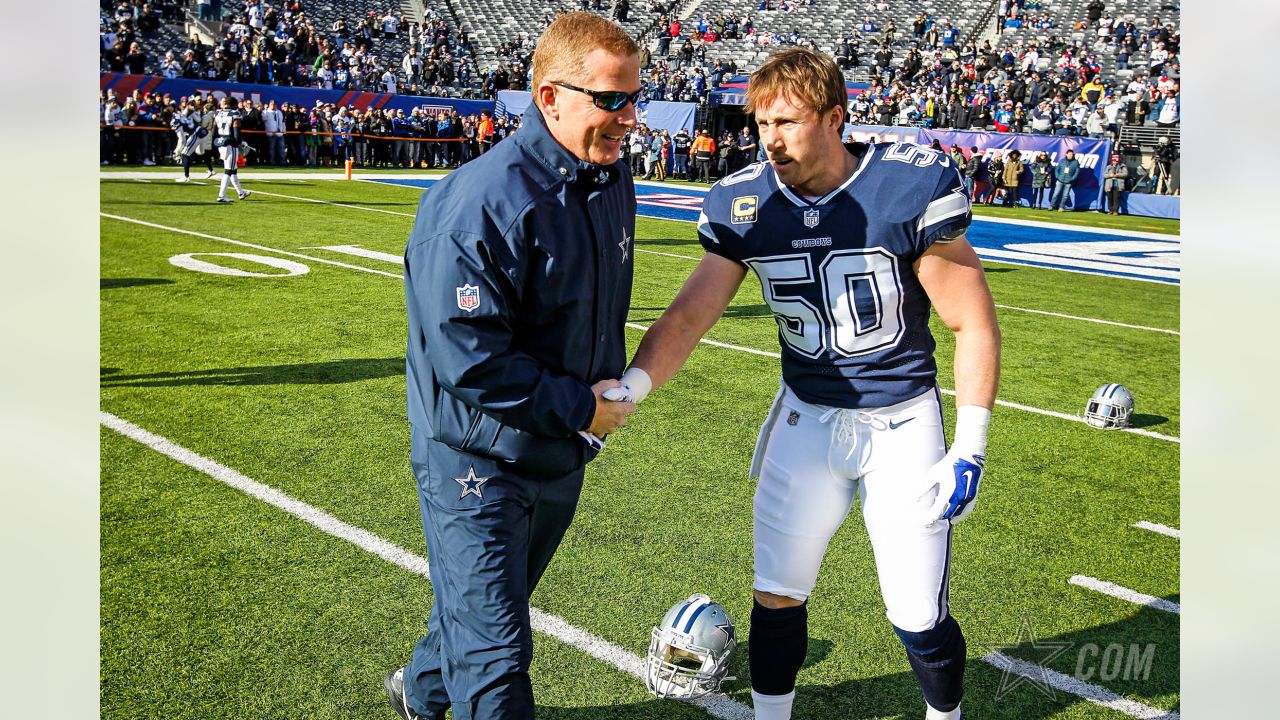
625 244
471 484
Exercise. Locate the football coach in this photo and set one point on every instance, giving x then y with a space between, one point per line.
517 280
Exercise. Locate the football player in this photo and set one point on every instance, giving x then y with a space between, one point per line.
226 137
852 245
186 123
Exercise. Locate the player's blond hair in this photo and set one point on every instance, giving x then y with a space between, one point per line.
808 78
562 50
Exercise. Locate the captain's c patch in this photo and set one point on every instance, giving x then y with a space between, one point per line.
744 209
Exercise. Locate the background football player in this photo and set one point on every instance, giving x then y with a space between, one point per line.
851 247
186 123
226 137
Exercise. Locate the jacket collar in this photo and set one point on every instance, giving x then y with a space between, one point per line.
536 139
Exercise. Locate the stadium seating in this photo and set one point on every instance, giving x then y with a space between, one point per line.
322 15
491 23
826 22
1066 13
168 36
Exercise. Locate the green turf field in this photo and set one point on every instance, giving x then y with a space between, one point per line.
218 604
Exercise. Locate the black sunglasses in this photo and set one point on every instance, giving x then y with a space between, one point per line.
610 100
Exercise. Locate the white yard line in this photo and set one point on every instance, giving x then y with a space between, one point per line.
241 243
325 202
667 254
1126 594
1089 319
719 706
945 391
1158 528
704 341
1093 693
1076 418
636 326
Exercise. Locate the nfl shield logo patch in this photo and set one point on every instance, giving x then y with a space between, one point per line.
811 217
468 297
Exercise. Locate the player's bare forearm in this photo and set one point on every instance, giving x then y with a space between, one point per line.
703 299
977 365
952 275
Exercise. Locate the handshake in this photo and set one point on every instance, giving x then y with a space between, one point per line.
615 400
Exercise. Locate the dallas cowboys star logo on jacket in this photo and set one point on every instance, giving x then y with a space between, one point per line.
471 484
625 244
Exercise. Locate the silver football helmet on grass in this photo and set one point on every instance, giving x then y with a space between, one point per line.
690 651
1110 407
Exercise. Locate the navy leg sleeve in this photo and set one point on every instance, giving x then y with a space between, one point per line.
937 658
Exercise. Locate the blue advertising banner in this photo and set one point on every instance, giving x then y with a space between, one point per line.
656 114
1092 155
125 84
881 133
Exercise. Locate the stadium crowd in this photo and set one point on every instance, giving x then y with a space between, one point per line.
1055 86
1029 79
140 129
282 45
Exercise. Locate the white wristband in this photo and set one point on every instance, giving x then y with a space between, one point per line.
971 428
639 382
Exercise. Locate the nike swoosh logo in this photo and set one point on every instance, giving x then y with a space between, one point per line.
900 423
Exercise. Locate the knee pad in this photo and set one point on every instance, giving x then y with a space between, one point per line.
937 658
933 641
779 639
231 171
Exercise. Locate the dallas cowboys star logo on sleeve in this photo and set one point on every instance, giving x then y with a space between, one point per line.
471 484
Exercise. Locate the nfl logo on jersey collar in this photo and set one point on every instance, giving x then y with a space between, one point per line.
812 217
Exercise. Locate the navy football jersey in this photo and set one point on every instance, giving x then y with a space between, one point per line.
836 271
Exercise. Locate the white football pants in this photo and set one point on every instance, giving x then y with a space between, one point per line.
813 460
230 155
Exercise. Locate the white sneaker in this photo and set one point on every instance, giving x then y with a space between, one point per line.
184 178
149 163
224 199
245 193
209 175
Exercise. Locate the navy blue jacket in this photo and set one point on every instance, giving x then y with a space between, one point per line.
518 281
